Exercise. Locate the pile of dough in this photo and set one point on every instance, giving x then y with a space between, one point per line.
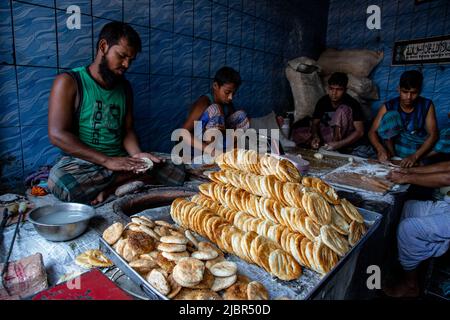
148 165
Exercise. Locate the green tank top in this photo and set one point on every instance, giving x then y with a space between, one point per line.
101 115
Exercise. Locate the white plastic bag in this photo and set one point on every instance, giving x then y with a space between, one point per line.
306 86
358 62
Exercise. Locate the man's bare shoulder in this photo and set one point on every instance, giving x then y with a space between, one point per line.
63 93
65 80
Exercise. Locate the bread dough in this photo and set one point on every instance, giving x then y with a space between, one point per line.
318 156
148 165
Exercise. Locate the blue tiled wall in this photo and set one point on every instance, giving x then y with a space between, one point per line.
400 20
184 43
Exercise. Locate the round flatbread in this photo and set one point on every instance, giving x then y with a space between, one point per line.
189 272
197 294
163 223
170 247
141 221
205 255
150 232
174 239
140 242
210 263
256 291
221 283
158 281
164 263
224 269
191 237
175 287
175 256
237 291
113 233
143 266
207 282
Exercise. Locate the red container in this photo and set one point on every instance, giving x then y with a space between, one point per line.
92 285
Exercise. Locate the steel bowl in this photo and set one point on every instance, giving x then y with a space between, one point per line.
61 222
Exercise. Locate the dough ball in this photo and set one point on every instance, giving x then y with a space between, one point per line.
318 156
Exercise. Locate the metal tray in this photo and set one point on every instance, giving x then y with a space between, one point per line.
151 292
301 289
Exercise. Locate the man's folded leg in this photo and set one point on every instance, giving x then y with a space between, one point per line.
76 180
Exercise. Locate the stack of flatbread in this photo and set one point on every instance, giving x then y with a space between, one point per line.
266 196
248 246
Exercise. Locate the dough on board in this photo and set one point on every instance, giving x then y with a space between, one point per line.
148 165
318 156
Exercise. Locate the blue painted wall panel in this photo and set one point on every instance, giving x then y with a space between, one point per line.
400 20
184 43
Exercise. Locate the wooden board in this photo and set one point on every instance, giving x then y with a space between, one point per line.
362 176
323 166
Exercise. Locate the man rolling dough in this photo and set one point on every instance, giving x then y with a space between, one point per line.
424 230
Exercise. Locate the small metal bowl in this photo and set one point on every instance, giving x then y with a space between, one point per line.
61 222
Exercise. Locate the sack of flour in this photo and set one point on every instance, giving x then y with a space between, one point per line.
358 62
363 87
303 76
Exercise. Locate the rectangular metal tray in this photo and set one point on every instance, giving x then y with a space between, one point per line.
120 263
301 289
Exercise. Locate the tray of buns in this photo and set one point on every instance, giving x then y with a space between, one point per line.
285 233
181 265
298 289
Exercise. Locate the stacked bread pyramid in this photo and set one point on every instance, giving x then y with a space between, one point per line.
261 209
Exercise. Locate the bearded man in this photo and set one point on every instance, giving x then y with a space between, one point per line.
90 119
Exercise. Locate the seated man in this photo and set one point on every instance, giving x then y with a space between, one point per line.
91 119
215 110
424 230
407 125
337 122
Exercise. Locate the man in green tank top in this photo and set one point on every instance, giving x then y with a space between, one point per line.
90 119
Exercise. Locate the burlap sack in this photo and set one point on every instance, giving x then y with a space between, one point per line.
306 86
358 62
363 87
